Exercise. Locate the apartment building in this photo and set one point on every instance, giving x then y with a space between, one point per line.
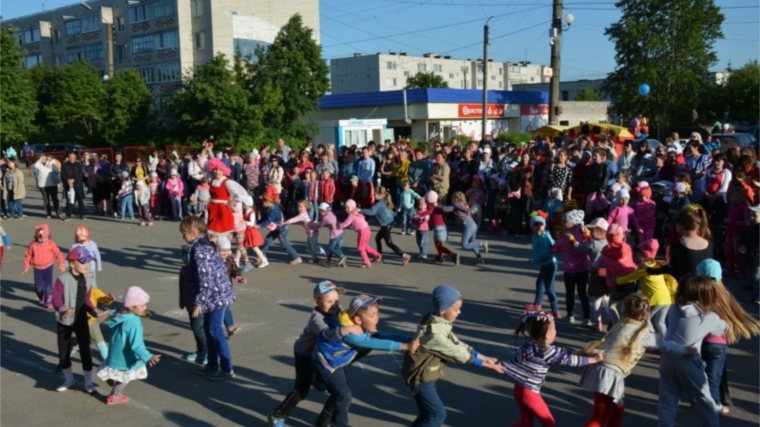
386 72
161 39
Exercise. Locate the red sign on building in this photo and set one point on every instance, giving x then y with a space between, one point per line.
476 110
534 110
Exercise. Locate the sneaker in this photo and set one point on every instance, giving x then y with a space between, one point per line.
479 261
557 315
66 385
456 259
296 261
191 356
421 256
263 264
314 261
89 388
115 400
569 319
248 267
405 259
232 331
205 370
221 375
342 261
586 323
599 326
485 246
275 422
439 260
379 260
531 307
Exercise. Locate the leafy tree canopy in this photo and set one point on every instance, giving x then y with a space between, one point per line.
76 98
741 94
17 97
587 93
423 80
128 104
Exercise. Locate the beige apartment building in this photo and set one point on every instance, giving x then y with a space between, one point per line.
161 39
386 72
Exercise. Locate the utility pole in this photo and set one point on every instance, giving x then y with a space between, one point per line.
485 80
556 37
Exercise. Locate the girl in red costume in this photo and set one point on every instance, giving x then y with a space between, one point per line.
225 194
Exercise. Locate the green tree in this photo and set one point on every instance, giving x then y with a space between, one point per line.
127 107
667 44
212 101
17 98
76 95
426 80
288 79
741 93
587 93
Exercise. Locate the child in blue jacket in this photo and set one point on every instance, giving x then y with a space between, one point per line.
127 355
544 258
383 211
330 357
271 221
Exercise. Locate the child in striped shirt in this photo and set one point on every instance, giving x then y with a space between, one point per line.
532 362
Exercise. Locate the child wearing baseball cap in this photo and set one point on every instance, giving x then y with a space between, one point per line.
128 355
326 308
439 345
72 303
330 357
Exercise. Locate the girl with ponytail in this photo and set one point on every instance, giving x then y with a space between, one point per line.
693 246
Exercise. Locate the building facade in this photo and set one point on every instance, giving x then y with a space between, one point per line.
568 90
387 72
161 39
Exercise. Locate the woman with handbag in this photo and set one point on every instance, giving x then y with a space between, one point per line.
48 179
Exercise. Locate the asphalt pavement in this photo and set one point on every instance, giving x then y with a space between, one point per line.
273 308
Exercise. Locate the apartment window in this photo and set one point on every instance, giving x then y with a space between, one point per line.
32 61
163 8
197 7
146 73
438 68
390 81
73 27
480 82
390 65
168 73
121 53
57 36
59 60
31 35
451 75
200 40
73 55
142 44
422 67
565 95
119 23
94 52
91 23
166 40
139 13
480 68
493 77
406 73
532 78
500 85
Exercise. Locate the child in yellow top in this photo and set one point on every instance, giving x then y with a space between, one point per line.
660 289
96 337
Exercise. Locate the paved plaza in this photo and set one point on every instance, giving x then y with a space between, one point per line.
273 309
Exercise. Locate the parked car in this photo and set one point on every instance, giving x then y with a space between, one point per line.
728 140
37 148
63 146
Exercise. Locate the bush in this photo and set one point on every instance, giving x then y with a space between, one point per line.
517 138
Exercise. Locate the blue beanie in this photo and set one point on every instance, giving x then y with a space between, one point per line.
444 296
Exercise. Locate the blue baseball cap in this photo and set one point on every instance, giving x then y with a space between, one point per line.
361 301
711 269
80 254
326 286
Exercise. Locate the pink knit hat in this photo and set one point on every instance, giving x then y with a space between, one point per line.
615 233
351 204
135 296
649 248
431 197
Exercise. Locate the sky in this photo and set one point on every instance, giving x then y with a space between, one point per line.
519 30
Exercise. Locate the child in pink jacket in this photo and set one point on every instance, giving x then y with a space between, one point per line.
175 189
356 221
42 255
617 258
575 265
646 211
622 214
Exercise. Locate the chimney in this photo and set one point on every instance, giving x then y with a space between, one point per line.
391 53
402 54
447 57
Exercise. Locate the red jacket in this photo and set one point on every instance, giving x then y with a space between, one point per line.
327 190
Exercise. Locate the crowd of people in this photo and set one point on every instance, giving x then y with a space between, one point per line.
577 198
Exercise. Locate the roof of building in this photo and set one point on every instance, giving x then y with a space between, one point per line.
423 96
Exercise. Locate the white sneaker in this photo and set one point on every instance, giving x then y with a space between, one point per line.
263 264
66 385
89 388
569 319
587 323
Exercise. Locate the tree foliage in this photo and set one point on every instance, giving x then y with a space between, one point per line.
17 98
667 44
741 93
423 80
587 93
128 104
76 98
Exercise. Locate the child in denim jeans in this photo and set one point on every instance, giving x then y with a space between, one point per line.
543 257
421 224
406 206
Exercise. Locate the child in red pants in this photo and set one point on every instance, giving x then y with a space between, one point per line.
532 362
438 224
737 221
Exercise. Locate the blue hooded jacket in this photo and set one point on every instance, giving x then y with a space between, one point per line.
127 350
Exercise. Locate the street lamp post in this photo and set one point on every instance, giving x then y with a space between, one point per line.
555 40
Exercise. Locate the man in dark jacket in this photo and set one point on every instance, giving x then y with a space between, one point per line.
598 174
72 176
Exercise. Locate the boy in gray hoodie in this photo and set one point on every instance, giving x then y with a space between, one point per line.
689 321
597 284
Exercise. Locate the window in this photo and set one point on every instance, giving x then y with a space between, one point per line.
91 23
500 71
163 8
119 23
565 95
73 27
493 78
200 40
390 81
146 73
480 68
142 44
32 61
480 82
139 13
57 36
422 67
121 53
168 73
438 68
31 35
451 75
73 55
94 52
532 78
20 37
197 7
390 65
59 60
166 40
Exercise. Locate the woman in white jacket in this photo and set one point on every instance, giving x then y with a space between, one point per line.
48 178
